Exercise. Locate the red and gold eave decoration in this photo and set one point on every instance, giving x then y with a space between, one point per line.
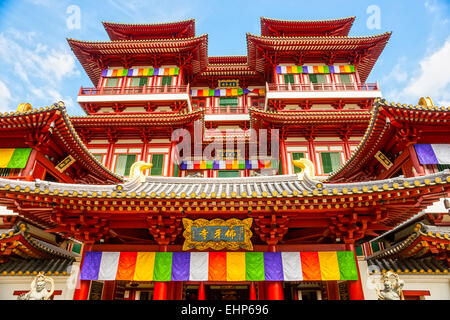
220 242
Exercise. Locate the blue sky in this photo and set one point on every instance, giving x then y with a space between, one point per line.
38 66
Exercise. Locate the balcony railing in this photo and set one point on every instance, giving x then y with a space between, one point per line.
134 90
323 87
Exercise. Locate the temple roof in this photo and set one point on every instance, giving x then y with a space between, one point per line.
428 265
140 120
309 117
144 31
400 196
295 28
386 118
55 120
21 243
91 54
24 267
364 50
221 60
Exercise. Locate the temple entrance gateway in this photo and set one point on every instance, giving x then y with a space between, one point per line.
227 292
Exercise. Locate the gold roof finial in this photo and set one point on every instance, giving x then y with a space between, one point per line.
24 107
307 168
426 102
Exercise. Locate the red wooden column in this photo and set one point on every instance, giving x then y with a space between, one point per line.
108 290
160 287
274 289
252 291
201 291
355 289
332 290
110 153
312 153
171 170
283 155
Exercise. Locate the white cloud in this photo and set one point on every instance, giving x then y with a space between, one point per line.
5 97
431 80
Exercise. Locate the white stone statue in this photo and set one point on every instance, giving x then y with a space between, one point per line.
392 287
38 289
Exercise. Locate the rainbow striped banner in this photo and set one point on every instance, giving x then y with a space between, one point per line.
315 69
224 92
219 266
140 72
228 164
14 158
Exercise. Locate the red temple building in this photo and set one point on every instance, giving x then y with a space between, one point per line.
251 177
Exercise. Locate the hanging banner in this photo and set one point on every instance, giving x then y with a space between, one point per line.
217 234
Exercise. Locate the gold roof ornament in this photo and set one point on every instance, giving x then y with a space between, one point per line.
307 168
137 170
24 107
426 102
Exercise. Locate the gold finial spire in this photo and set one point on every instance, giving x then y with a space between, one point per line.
24 107
426 102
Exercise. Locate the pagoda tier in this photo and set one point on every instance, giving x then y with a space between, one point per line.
146 31
133 126
393 129
297 207
97 56
51 136
311 28
363 52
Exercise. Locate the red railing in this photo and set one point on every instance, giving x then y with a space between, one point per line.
323 87
134 90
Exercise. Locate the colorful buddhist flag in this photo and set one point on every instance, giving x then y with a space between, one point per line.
14 158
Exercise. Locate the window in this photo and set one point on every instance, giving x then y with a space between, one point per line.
297 156
139 81
4 172
345 78
157 168
112 82
228 101
166 81
317 78
442 167
330 161
124 162
289 78
228 173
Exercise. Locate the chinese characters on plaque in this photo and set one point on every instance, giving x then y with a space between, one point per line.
217 234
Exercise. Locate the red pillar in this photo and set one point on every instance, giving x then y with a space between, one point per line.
108 290
355 289
201 291
283 154
252 292
110 153
171 170
160 287
82 293
274 289
312 153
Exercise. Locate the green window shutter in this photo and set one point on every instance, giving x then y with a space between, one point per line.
131 158
313 78
76 248
330 161
228 173
442 167
166 81
297 156
326 162
321 78
288 78
280 168
135 81
143 81
359 251
345 78
123 163
112 82
176 170
157 168
228 101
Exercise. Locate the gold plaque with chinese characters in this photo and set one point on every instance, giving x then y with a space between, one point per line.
218 234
